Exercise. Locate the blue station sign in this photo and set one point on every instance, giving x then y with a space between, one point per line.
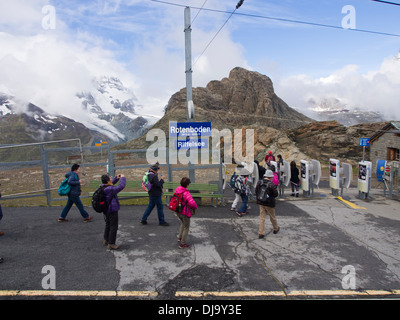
189 129
189 135
365 142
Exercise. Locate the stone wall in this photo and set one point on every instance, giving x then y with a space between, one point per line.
379 147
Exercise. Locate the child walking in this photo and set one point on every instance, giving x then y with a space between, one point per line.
189 207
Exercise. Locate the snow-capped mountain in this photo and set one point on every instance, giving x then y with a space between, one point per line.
113 110
109 108
334 109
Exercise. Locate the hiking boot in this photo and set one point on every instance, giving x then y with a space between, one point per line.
112 247
183 246
87 219
62 220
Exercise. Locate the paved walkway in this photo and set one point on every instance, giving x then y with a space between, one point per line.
327 247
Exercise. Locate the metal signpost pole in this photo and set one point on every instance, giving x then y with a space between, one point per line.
189 71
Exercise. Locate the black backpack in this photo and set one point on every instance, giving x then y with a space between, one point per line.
99 202
262 194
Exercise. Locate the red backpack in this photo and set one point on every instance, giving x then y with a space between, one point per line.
176 203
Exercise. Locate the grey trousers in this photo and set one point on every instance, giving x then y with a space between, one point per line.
184 228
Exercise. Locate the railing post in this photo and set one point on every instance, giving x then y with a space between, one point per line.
46 181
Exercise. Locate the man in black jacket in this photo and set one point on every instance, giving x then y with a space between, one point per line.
155 194
266 192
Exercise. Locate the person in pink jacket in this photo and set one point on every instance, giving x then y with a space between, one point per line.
275 179
189 207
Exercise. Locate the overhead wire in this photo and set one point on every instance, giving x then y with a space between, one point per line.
239 4
283 19
198 12
388 2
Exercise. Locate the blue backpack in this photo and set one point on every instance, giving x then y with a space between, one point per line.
64 188
232 182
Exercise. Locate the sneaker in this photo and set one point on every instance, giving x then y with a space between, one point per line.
233 209
62 220
179 239
87 219
239 214
112 247
276 231
105 243
1 233
143 222
183 246
1 260
260 236
164 224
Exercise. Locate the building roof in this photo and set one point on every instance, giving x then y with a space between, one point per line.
391 125
396 124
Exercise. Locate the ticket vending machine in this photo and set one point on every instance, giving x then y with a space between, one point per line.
334 176
284 177
315 172
339 177
364 179
310 174
380 170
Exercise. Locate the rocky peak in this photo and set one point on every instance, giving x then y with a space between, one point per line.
245 98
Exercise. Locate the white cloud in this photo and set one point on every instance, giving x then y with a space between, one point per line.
374 91
22 16
49 72
159 59
48 67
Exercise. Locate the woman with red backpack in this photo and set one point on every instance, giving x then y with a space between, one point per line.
188 209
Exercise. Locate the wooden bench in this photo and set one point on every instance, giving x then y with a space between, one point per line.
76 157
198 190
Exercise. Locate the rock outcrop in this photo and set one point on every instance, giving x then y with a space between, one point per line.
246 100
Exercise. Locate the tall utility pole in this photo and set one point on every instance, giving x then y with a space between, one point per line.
189 71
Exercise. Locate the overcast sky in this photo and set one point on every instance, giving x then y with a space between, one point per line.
50 50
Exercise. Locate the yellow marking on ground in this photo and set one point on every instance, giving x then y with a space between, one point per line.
352 205
51 293
197 294
327 293
295 293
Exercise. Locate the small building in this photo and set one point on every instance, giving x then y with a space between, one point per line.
385 144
